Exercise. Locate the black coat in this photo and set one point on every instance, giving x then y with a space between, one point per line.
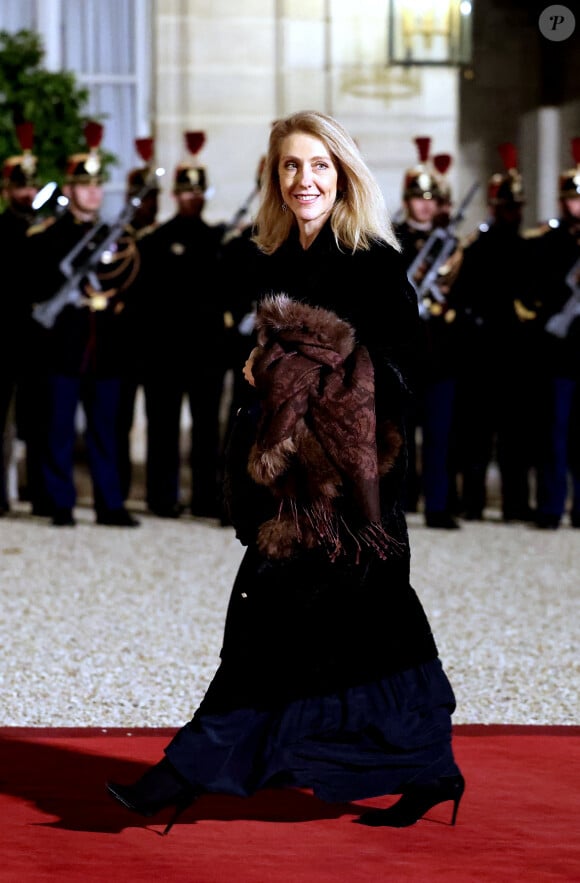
369 289
306 626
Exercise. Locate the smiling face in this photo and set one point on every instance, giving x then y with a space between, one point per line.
308 182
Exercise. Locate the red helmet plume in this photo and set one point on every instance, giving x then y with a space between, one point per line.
144 147
423 146
93 133
25 135
194 141
442 162
509 155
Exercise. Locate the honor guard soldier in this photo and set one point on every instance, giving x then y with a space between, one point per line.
142 188
78 267
498 365
20 185
184 345
556 284
434 393
447 273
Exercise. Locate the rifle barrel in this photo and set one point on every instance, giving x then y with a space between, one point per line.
459 214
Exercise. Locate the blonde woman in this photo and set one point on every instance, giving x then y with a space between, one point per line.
329 676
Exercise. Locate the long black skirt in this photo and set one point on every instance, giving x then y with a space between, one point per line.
361 742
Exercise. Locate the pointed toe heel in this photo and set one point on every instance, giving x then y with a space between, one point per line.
159 788
415 801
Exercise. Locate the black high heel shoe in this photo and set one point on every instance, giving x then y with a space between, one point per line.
158 788
415 802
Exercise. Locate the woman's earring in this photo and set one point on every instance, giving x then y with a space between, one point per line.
284 207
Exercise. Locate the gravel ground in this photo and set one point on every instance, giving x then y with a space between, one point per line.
114 627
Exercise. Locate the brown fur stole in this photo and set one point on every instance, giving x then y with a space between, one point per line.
316 445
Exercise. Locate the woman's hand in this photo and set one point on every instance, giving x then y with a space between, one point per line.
247 370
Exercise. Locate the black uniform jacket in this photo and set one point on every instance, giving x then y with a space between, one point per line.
307 626
554 254
439 334
82 339
493 278
15 305
180 303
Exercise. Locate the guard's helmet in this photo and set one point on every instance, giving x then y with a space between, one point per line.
189 175
142 176
420 180
21 170
506 188
87 168
569 181
442 164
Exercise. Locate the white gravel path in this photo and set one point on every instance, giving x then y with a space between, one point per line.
122 628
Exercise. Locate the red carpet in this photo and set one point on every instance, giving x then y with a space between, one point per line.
518 820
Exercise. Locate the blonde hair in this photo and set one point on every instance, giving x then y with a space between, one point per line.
359 216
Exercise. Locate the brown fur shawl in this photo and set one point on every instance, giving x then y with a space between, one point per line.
316 445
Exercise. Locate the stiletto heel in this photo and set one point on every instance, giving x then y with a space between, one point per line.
179 808
416 800
158 788
455 808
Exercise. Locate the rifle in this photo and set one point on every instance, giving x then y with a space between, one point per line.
245 206
439 246
232 225
80 264
559 323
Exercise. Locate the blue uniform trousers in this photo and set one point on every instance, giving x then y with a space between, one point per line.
438 405
554 466
100 401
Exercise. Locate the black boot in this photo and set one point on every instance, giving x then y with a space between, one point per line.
415 802
161 786
443 520
116 518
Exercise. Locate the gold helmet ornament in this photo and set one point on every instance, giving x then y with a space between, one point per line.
420 180
569 181
87 168
143 176
506 188
21 170
189 175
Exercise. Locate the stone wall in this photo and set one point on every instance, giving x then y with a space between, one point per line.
230 68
